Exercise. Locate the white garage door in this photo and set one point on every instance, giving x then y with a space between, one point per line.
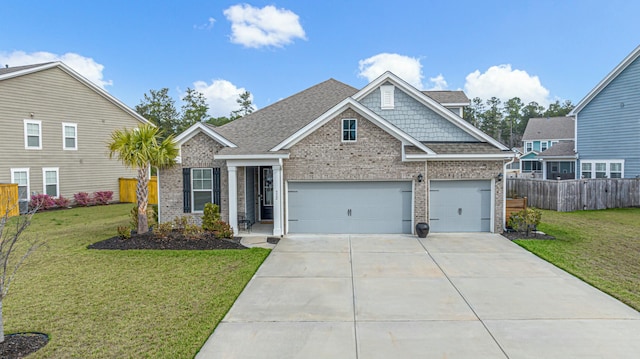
460 206
349 207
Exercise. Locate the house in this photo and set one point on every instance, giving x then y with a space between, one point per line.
549 148
55 127
607 125
335 159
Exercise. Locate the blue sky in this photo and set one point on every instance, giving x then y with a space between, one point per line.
538 50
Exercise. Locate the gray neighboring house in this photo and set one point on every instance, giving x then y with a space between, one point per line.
549 148
608 124
335 159
55 127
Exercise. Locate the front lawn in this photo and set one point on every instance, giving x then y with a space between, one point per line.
121 304
601 247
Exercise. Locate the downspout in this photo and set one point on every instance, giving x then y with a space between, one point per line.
504 194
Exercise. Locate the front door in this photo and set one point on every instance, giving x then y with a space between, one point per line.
266 194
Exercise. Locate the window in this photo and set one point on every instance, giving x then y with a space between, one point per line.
21 177
202 188
69 136
602 169
543 145
32 134
50 182
531 166
528 147
349 129
386 97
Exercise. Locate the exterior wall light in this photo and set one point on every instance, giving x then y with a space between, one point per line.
420 177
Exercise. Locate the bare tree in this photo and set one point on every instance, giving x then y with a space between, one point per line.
15 247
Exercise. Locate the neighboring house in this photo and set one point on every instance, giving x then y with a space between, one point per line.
335 159
549 148
55 127
608 124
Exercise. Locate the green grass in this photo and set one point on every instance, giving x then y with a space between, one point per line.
600 247
120 304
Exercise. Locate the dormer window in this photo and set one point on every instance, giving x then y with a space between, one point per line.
349 129
386 97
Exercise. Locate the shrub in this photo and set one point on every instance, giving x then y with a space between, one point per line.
211 214
83 199
163 229
62 202
526 220
152 218
124 232
180 223
41 201
191 230
102 197
222 229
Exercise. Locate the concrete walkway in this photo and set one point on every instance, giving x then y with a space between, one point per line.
393 296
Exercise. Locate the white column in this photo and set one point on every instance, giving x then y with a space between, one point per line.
277 200
233 198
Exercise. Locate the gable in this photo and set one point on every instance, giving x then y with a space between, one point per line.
416 119
621 94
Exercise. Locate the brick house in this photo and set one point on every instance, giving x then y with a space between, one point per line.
335 159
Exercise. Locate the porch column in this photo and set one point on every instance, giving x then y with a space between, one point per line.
233 198
277 200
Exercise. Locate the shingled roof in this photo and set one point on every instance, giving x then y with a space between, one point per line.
270 125
8 70
560 149
448 97
549 128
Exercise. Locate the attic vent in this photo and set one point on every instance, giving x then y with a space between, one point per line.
386 97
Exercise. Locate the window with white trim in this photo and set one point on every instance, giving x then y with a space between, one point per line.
51 182
349 129
69 136
201 188
33 134
543 145
528 147
602 169
21 177
386 97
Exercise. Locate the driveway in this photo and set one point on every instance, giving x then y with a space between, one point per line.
397 296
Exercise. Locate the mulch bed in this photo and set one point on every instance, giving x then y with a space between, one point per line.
19 345
174 241
513 235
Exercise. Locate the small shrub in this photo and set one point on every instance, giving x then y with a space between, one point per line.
41 201
124 232
102 197
152 213
62 202
211 214
83 199
133 218
526 220
180 223
222 229
192 230
163 229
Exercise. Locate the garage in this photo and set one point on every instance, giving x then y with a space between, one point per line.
460 206
349 207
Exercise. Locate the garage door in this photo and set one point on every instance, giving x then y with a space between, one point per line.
460 206
349 207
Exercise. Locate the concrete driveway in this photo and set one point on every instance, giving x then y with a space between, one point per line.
394 296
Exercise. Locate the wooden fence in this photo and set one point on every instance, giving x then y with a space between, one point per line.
9 199
128 190
574 195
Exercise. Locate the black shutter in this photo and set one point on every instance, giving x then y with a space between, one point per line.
186 190
216 186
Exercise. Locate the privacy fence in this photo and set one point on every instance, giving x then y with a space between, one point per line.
573 195
9 199
128 190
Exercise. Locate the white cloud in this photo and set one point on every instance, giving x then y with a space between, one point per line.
407 68
206 26
504 83
254 27
85 66
220 95
438 82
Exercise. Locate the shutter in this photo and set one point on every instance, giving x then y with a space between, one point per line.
216 186
186 190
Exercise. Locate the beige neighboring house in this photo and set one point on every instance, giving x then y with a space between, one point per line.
336 159
55 127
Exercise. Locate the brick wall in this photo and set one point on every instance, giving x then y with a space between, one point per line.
375 156
198 152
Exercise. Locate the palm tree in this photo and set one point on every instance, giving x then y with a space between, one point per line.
140 148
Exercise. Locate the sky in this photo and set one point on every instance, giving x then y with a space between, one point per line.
539 50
